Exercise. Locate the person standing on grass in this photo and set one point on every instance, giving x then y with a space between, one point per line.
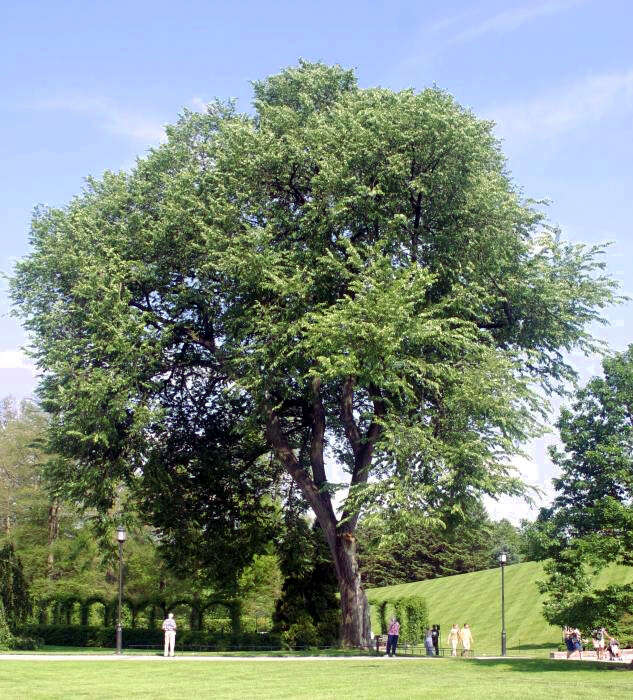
392 636
428 642
466 638
169 628
453 638
435 633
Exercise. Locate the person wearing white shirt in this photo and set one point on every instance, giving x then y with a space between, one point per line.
169 628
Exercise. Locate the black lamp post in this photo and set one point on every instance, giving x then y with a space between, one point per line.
121 536
503 558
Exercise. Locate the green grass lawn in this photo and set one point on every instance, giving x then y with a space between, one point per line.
316 680
476 598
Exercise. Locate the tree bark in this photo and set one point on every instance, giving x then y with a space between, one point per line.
53 532
355 623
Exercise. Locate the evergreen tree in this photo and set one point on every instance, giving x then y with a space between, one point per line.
14 590
6 637
308 594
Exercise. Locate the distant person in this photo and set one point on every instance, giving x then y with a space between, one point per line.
466 638
435 633
169 628
598 638
568 641
453 639
573 642
614 649
428 642
392 636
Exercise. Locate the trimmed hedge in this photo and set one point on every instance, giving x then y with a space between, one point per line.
84 636
412 613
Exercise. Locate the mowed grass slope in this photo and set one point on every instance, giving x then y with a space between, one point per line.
476 598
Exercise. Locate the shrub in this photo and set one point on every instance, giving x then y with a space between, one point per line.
301 634
27 643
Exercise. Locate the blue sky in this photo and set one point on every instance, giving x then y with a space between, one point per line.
86 87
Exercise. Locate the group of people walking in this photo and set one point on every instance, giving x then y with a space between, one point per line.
463 636
604 644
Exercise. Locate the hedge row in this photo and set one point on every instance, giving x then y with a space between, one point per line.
83 636
411 612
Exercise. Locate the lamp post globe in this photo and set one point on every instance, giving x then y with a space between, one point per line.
121 536
503 559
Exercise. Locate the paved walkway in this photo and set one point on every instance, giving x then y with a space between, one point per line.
158 658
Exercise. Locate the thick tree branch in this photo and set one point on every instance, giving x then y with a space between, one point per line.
347 415
317 442
363 457
321 506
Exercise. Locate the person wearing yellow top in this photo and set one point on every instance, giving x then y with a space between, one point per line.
453 638
466 638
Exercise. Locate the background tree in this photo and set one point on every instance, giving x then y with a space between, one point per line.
307 612
353 266
590 524
390 553
22 429
14 590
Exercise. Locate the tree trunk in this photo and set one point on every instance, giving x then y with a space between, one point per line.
355 624
53 532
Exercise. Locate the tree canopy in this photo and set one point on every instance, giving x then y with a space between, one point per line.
590 524
350 271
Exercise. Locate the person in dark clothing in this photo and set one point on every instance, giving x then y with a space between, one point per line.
435 635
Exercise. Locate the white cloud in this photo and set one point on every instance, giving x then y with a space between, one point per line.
439 34
584 102
511 19
199 104
15 359
110 117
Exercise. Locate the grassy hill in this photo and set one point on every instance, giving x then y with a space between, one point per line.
476 598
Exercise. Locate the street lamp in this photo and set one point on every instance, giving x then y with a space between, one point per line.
503 558
121 536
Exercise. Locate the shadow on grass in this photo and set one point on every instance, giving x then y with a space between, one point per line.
549 665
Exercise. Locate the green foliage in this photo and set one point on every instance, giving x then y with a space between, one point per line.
590 524
410 611
347 268
416 619
301 634
22 497
601 608
393 551
6 637
83 636
308 608
14 589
